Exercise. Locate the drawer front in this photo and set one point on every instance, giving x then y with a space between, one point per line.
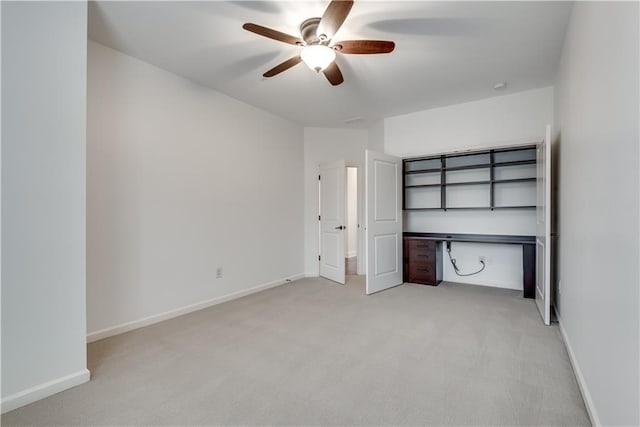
421 272
421 245
422 256
428 279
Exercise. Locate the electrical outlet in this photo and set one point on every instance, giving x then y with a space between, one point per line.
219 273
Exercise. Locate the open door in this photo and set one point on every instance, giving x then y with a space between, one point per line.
543 228
332 220
383 178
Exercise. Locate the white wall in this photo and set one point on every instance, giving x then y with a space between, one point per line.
352 212
376 136
43 199
504 120
326 145
597 122
491 122
183 180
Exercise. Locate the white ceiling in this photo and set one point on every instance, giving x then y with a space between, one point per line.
446 52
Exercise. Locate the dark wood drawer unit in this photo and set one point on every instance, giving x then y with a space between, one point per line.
422 261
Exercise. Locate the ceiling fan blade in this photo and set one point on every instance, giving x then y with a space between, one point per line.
272 34
333 18
333 74
364 46
283 66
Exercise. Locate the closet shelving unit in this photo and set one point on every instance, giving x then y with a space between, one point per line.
501 178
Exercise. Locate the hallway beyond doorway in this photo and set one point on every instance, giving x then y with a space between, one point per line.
351 265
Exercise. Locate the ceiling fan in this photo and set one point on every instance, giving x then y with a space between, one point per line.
318 50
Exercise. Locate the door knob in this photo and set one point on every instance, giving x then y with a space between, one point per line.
340 227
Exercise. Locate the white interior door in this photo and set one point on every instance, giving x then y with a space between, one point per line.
383 178
332 220
543 230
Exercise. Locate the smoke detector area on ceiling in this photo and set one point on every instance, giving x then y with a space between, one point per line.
353 120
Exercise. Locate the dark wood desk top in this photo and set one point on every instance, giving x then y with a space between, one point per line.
475 238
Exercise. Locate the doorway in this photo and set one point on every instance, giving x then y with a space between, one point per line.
378 251
351 236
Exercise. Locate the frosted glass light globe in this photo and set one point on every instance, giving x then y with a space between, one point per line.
317 56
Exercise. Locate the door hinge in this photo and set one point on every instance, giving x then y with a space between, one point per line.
318 217
318 257
318 177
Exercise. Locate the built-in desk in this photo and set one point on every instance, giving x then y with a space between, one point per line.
528 251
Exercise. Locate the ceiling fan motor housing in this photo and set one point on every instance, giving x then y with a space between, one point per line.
308 31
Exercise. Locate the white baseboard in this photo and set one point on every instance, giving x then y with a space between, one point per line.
316 274
150 320
41 391
351 254
582 385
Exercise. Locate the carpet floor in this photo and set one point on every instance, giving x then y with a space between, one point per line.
316 353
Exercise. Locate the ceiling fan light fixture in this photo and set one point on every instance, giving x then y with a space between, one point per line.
318 57
316 36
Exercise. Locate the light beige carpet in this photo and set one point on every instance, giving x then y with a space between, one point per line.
317 353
